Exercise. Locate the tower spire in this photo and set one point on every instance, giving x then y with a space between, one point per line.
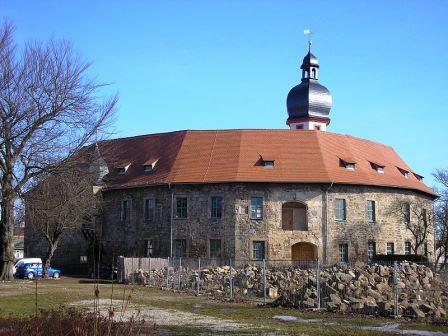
309 103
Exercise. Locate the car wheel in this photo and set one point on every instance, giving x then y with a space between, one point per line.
56 275
30 275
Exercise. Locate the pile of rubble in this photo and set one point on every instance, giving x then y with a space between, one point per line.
364 289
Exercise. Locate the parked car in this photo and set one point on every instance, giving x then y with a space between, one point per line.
32 270
105 272
22 261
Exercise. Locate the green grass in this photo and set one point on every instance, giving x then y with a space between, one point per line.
18 299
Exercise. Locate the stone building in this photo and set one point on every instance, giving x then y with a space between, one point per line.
295 194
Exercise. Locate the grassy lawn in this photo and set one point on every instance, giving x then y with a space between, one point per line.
18 299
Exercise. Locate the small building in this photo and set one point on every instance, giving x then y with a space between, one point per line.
300 193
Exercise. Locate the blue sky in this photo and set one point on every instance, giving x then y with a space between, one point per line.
230 64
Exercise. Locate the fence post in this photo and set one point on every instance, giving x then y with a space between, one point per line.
264 281
178 277
199 275
168 274
231 279
149 273
318 283
395 289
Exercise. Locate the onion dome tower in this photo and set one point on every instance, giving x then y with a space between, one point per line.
309 103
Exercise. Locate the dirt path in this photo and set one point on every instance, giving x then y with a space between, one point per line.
164 317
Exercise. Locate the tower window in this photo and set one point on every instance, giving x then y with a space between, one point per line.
256 208
313 71
407 248
340 209
215 248
371 215
390 248
317 127
181 208
216 210
299 126
258 250
371 250
343 253
150 209
126 206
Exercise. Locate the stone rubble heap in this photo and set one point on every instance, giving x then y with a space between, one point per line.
366 289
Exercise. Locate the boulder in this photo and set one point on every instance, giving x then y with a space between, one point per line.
414 311
335 298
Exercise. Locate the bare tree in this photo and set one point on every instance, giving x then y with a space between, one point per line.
418 217
61 203
49 109
442 219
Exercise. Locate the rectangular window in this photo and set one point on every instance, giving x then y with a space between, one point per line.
343 253
371 250
258 250
150 209
149 248
216 211
390 248
371 215
181 208
180 248
215 248
256 208
126 210
83 259
425 246
406 213
160 212
340 209
407 248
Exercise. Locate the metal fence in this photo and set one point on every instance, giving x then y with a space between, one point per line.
397 289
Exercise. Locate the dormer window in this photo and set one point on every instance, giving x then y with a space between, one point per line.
379 168
347 164
418 177
148 168
350 166
121 170
403 172
149 165
267 160
268 164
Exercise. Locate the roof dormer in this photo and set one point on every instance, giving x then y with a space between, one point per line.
150 165
122 169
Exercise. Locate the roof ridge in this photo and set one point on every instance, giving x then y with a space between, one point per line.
319 144
141 136
211 155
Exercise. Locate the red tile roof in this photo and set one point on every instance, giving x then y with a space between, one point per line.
234 156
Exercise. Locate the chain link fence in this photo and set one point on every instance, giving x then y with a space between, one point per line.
392 289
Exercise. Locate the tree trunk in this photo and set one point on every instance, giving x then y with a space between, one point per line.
7 238
52 246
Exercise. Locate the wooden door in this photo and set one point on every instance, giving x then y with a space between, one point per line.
302 251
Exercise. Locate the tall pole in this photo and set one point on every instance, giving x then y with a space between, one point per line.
264 281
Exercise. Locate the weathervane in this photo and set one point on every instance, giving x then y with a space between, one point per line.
308 32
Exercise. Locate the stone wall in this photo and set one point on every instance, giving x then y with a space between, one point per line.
236 229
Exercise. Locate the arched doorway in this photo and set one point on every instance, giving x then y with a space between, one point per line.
294 216
303 252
